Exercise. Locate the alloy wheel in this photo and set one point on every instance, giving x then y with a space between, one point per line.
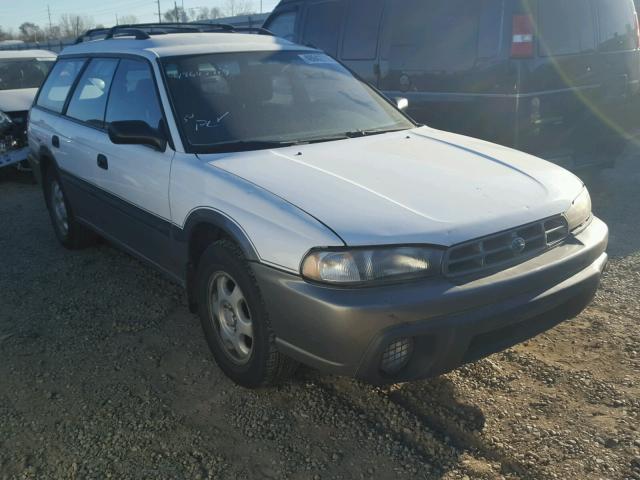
231 317
59 208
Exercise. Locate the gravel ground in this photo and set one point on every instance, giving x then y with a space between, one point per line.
105 374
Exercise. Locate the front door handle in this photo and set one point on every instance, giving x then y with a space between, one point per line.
102 162
55 141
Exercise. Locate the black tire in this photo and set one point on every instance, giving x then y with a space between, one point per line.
265 365
75 236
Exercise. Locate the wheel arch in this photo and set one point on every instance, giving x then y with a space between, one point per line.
203 227
203 220
46 160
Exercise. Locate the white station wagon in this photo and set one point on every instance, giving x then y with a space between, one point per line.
307 217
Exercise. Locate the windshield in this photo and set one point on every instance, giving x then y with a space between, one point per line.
255 100
23 72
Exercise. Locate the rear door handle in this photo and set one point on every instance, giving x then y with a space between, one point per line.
102 162
55 141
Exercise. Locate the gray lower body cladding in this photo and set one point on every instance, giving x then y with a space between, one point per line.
345 331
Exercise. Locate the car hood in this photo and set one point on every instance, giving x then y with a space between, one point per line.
17 100
419 186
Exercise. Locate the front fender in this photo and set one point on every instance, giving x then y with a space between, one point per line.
268 228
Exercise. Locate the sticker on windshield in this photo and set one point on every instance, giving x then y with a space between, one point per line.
315 58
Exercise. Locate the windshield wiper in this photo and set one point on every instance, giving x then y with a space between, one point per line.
248 145
375 131
346 135
245 145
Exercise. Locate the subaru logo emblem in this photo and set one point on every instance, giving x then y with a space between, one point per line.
518 244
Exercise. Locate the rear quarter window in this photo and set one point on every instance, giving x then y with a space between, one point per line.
565 27
284 24
55 90
441 35
617 22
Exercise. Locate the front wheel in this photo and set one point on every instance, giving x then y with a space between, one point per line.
235 321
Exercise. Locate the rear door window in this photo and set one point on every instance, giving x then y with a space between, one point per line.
565 27
361 31
284 24
322 25
617 25
441 35
89 99
55 90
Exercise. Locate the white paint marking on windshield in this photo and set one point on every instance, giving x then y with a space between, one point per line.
211 123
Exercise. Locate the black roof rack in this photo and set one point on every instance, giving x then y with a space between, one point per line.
143 31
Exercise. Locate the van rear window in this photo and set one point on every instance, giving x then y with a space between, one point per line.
565 27
442 35
617 25
361 33
323 24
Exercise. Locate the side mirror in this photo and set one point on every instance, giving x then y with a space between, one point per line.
402 103
136 132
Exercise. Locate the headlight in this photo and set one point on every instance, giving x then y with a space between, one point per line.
5 121
361 266
580 210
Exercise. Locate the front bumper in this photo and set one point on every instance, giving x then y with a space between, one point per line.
345 331
11 157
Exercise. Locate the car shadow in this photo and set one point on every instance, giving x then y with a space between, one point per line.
11 174
427 417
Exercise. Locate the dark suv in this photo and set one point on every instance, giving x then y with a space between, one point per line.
556 78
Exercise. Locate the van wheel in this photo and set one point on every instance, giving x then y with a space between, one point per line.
235 321
69 232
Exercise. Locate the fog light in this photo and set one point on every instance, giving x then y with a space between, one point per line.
396 356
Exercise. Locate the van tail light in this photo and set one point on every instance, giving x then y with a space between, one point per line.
637 32
522 43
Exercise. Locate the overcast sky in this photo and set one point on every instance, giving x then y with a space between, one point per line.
15 12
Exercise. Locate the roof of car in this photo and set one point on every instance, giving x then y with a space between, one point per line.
177 44
26 54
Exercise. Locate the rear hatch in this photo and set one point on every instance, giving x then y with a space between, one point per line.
448 57
578 79
539 75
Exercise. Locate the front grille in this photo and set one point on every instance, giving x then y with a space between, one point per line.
506 248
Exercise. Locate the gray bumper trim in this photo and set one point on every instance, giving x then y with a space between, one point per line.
342 330
13 156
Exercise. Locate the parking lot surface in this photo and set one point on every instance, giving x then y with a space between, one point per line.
105 373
